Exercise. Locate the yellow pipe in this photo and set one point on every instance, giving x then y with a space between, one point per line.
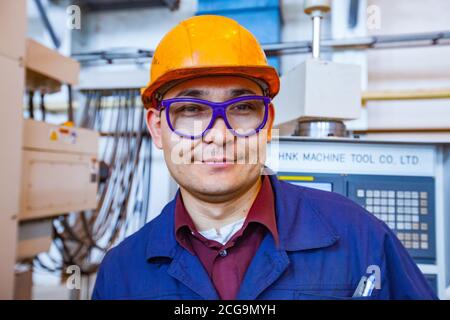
405 95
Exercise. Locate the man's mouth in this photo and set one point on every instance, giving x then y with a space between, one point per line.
218 161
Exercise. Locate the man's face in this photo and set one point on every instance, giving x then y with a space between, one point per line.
218 165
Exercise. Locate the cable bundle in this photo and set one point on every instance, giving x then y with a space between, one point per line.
82 238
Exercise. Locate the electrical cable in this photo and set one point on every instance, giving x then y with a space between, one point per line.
123 197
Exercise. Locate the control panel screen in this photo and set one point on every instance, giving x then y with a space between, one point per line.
315 185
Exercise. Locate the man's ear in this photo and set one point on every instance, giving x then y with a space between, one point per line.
153 121
270 120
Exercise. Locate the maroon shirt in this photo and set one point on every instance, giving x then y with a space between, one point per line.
226 264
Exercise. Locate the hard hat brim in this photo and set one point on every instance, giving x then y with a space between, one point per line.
266 74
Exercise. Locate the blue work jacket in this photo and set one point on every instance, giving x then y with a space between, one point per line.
326 245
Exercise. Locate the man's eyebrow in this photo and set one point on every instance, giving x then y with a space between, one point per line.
198 93
240 92
192 93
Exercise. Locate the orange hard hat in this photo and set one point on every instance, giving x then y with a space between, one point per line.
203 46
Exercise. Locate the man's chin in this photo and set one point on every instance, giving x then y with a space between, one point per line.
215 192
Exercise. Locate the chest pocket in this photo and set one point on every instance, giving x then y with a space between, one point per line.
328 292
330 295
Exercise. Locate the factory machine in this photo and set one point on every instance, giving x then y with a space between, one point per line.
404 184
59 170
52 169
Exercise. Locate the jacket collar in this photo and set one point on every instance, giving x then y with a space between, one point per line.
161 242
300 225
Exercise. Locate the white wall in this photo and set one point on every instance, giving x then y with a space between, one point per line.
410 69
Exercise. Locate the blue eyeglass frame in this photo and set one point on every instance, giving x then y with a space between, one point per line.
219 110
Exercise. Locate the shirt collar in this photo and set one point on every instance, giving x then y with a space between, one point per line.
262 211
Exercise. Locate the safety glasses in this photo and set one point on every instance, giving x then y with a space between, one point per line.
192 117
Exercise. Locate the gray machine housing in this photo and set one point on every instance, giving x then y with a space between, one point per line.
405 184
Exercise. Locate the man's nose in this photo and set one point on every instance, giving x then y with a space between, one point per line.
218 133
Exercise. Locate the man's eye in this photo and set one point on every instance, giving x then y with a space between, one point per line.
242 107
189 109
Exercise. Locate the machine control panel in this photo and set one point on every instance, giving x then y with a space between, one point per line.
403 184
405 204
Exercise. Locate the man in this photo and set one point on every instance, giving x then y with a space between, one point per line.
233 231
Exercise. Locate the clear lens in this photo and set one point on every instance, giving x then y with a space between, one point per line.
190 118
246 116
